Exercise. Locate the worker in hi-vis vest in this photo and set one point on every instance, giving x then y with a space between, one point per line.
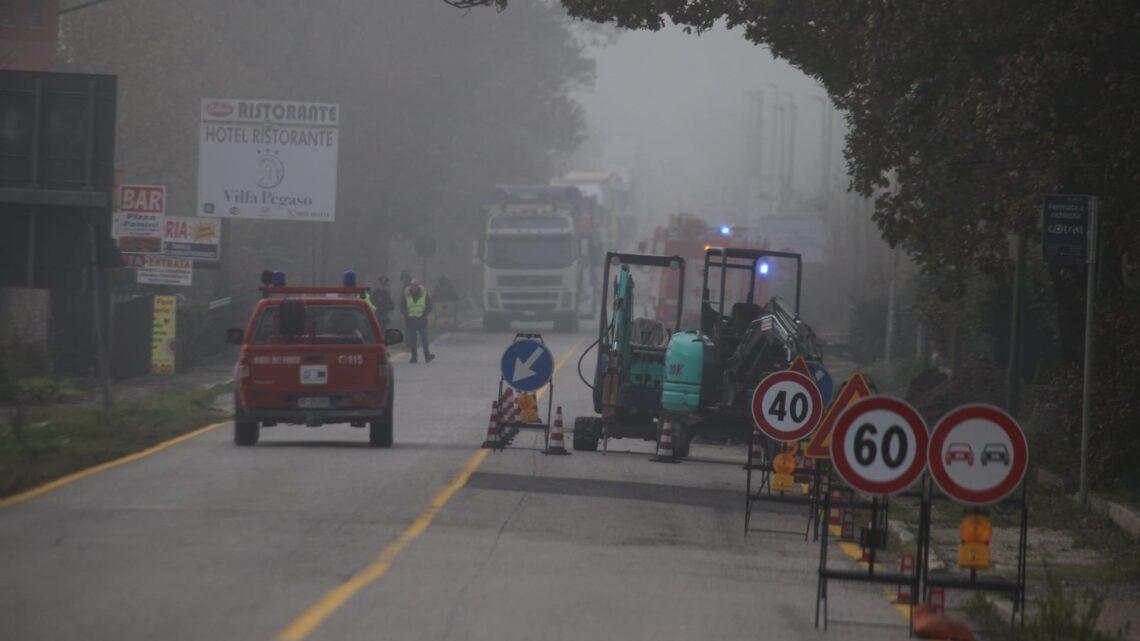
416 305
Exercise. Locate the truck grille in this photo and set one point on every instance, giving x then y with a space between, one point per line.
528 296
524 280
529 306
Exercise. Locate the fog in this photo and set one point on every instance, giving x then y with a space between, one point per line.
438 105
678 113
713 125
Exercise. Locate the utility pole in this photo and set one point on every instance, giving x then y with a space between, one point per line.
1086 394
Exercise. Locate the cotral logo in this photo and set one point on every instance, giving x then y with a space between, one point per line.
219 108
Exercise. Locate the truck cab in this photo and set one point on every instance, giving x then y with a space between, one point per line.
313 356
534 252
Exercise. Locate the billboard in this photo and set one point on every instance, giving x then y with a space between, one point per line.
267 159
142 199
163 270
197 238
174 236
162 336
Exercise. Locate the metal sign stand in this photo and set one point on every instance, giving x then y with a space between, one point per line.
764 493
510 429
875 535
1015 588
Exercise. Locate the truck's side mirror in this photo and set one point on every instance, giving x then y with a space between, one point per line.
393 337
476 255
235 336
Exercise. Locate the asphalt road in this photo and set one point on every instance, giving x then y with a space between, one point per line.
313 535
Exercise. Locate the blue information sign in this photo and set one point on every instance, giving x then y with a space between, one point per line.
823 381
1067 221
527 365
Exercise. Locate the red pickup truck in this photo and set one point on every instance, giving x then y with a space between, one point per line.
313 356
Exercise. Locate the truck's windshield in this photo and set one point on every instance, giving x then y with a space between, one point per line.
324 324
530 252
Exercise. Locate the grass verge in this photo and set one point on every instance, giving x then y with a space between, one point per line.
38 444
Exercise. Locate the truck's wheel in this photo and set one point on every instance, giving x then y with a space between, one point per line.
246 432
380 431
587 433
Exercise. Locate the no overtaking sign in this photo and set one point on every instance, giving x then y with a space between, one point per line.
978 454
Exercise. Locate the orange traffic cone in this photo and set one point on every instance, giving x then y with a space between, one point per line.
494 432
665 443
556 443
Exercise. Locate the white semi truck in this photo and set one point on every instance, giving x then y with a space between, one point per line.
538 254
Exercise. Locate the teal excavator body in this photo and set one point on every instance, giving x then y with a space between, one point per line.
630 370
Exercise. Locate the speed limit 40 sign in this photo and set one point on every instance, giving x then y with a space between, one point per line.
879 446
786 406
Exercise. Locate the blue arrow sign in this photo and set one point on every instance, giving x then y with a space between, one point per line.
822 381
527 365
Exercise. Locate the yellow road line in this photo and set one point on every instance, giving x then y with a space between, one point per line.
71 478
304 625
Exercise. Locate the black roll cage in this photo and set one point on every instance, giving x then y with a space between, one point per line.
744 259
647 260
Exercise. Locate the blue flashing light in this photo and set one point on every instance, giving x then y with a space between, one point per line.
278 279
763 268
725 230
349 278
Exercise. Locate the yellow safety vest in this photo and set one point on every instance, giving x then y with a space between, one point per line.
416 308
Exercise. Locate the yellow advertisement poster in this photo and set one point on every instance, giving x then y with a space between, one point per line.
162 335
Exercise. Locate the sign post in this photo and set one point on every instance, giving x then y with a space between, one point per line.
978 456
1069 227
878 447
527 365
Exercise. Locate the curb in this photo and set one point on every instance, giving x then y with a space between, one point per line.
1124 517
1127 518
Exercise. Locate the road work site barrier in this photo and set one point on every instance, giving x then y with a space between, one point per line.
526 368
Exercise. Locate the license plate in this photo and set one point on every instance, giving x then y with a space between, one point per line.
311 402
314 374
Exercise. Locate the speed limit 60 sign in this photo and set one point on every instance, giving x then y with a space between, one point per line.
786 406
879 446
